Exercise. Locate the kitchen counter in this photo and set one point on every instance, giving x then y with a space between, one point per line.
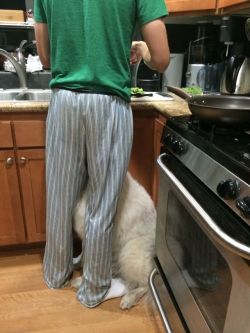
22 141
177 107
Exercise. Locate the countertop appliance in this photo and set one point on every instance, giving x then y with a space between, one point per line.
202 58
234 32
148 79
236 76
173 74
203 227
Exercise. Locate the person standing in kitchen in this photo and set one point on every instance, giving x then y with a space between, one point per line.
87 46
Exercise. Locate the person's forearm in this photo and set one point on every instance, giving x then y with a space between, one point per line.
42 42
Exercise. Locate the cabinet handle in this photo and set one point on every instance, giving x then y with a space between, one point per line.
9 161
23 160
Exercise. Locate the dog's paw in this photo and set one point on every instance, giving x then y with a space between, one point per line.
76 282
132 298
126 302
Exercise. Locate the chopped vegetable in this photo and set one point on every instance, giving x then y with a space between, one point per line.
137 90
194 90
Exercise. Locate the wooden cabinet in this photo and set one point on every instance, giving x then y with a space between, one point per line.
233 6
228 3
175 6
197 7
32 181
159 126
22 179
22 170
11 214
148 128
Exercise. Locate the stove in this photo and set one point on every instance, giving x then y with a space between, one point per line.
202 243
219 157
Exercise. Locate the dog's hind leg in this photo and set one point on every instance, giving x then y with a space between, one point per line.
133 297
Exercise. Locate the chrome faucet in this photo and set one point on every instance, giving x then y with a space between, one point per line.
19 64
20 56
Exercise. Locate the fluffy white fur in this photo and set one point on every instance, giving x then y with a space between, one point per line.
133 239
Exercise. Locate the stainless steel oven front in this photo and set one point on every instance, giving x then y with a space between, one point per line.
202 254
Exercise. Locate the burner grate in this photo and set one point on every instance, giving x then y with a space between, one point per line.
229 146
211 131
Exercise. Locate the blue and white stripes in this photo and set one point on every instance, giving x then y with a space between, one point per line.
88 143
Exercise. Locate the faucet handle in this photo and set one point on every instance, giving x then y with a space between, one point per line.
20 56
20 48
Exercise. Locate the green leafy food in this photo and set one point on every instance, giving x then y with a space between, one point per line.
137 90
194 90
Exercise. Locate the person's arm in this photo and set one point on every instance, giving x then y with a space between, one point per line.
155 50
42 43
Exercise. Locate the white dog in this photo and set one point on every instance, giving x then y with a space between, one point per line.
133 239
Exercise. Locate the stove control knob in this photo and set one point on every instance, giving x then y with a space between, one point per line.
243 204
179 146
228 189
168 139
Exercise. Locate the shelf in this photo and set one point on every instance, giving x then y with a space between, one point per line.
16 25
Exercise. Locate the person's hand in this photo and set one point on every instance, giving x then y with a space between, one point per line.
134 56
139 51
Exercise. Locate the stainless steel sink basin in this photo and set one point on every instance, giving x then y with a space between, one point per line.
17 95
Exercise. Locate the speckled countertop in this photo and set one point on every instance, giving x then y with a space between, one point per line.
177 107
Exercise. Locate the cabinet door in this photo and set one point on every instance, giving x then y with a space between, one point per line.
29 133
31 164
190 5
6 140
141 164
11 218
228 3
159 126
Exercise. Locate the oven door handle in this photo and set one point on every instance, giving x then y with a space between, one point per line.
158 302
209 227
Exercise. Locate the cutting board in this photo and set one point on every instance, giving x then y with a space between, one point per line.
11 15
155 98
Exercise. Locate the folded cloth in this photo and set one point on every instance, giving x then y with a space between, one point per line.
8 67
33 64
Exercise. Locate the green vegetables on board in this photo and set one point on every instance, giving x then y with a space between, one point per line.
137 90
194 90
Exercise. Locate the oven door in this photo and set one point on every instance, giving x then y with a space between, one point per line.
203 253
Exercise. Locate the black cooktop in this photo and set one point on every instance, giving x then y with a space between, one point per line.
228 146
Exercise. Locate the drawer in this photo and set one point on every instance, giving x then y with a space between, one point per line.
29 133
11 15
6 140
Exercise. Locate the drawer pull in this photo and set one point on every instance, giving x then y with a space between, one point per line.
9 161
23 160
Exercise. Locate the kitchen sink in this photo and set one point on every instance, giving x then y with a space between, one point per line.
15 95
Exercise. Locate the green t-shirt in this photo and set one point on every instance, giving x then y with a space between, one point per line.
90 40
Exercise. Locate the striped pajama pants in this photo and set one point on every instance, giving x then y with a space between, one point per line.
88 145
